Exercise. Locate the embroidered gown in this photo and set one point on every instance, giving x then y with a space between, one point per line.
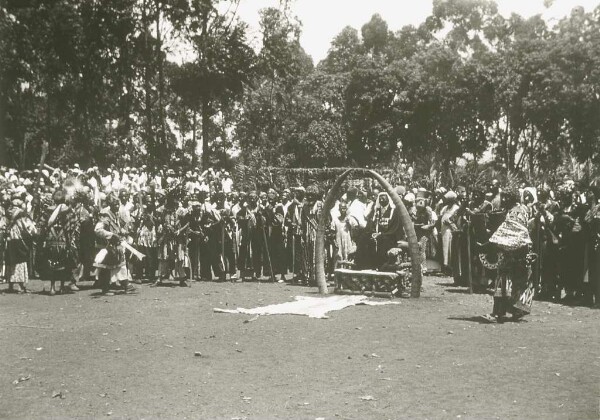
60 245
514 288
19 241
112 256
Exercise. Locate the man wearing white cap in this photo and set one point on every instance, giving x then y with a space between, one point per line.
116 181
409 203
226 182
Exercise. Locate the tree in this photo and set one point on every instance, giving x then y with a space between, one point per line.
222 68
317 135
344 53
375 35
68 78
468 22
94 80
373 125
269 109
576 59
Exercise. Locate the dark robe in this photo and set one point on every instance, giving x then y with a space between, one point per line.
370 253
296 228
275 224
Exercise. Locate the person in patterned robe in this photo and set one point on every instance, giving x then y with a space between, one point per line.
84 235
172 254
592 228
20 232
312 211
147 241
110 260
3 223
514 288
60 244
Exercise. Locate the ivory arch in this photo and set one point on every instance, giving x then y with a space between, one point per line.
413 245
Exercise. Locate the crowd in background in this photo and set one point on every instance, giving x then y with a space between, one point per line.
564 234
123 226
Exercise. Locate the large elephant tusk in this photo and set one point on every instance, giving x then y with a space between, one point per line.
413 244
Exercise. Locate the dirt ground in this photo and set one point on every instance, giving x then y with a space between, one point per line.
133 356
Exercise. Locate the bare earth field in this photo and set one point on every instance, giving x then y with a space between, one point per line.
133 356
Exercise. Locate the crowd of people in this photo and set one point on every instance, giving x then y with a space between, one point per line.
123 226
560 233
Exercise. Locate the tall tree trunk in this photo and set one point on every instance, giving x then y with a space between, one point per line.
205 130
149 137
161 82
126 66
194 139
531 154
127 118
3 95
48 121
205 99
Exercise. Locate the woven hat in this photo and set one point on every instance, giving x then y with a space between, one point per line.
400 190
450 195
423 193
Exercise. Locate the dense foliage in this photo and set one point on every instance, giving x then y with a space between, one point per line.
166 81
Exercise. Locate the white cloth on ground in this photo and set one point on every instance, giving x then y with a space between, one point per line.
313 307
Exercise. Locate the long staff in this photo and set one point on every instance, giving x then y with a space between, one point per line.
469 273
293 256
36 209
223 245
236 241
268 254
294 218
538 234
36 193
377 220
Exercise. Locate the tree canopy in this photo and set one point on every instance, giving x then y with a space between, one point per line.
167 81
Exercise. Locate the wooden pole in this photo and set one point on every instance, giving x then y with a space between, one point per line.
264 234
469 264
36 192
223 247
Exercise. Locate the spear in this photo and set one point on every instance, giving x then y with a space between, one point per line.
293 256
36 213
223 247
469 267
264 234
36 192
